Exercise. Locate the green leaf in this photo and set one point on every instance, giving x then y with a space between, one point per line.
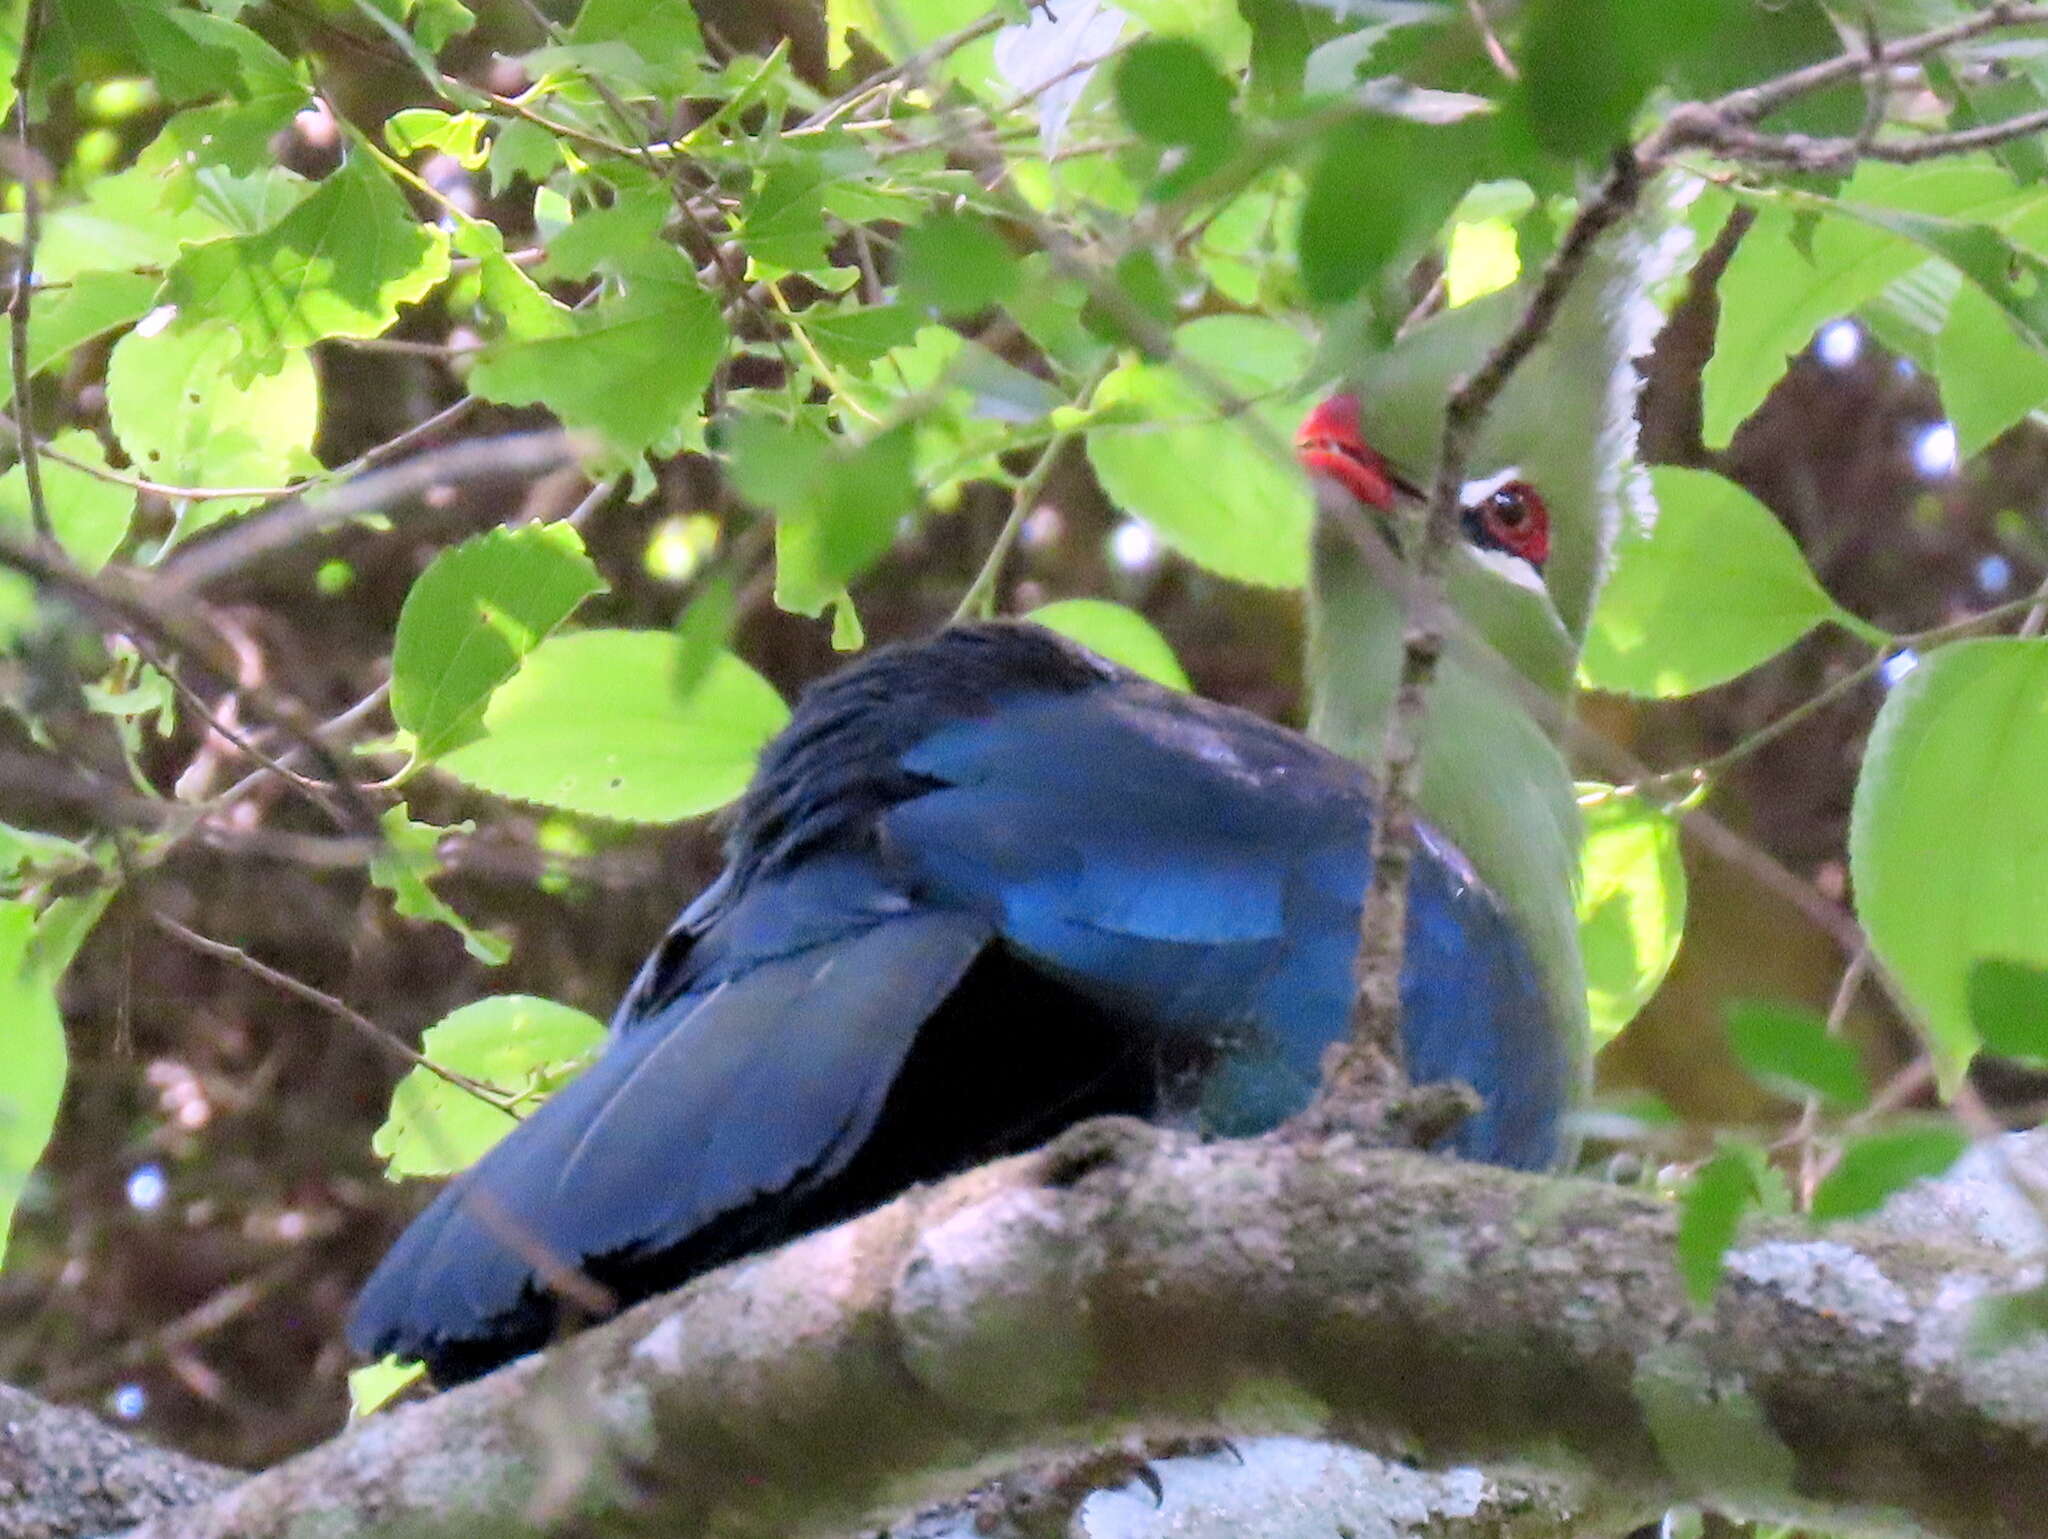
1586 66
89 515
458 134
1224 491
1778 290
632 369
857 337
371 1389
955 264
836 505
782 222
1713 588
1379 191
85 37
126 222
522 1047
1878 1164
1947 851
1709 1214
409 856
33 1060
1789 1050
235 134
338 265
655 45
1118 633
94 304
1991 376
179 412
2006 273
1171 92
471 616
2009 1008
702 630
1631 904
591 723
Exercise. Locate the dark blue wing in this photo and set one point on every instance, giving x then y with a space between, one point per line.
1203 869
755 1087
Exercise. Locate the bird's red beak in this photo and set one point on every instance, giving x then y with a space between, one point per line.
1331 442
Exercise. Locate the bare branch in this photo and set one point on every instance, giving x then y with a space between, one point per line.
476 459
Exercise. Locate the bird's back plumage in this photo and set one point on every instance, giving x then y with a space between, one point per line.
982 887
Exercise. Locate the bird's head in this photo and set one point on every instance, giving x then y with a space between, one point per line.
1502 514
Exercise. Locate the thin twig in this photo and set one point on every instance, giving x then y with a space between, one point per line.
30 174
342 1011
1753 102
1495 51
313 790
979 601
1375 1035
110 597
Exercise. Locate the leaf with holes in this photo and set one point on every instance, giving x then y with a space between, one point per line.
592 723
182 417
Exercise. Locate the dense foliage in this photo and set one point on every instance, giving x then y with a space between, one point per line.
837 286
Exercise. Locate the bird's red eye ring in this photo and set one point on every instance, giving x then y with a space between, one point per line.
1513 518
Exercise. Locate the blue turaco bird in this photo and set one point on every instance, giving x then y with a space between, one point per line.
982 887
1522 588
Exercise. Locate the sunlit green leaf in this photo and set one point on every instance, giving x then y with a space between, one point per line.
1778 290
592 723
403 865
93 305
1631 904
521 1047
1990 376
1947 849
1714 587
469 618
182 417
1118 633
632 368
32 1057
1224 490
372 1388
338 265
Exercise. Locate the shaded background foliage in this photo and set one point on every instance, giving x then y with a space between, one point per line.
210 1202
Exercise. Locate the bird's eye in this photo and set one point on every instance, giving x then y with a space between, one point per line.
1511 518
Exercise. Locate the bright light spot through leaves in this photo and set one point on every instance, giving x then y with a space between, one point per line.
1631 904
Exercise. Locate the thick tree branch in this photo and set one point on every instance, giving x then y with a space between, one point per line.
1132 1280
63 1473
